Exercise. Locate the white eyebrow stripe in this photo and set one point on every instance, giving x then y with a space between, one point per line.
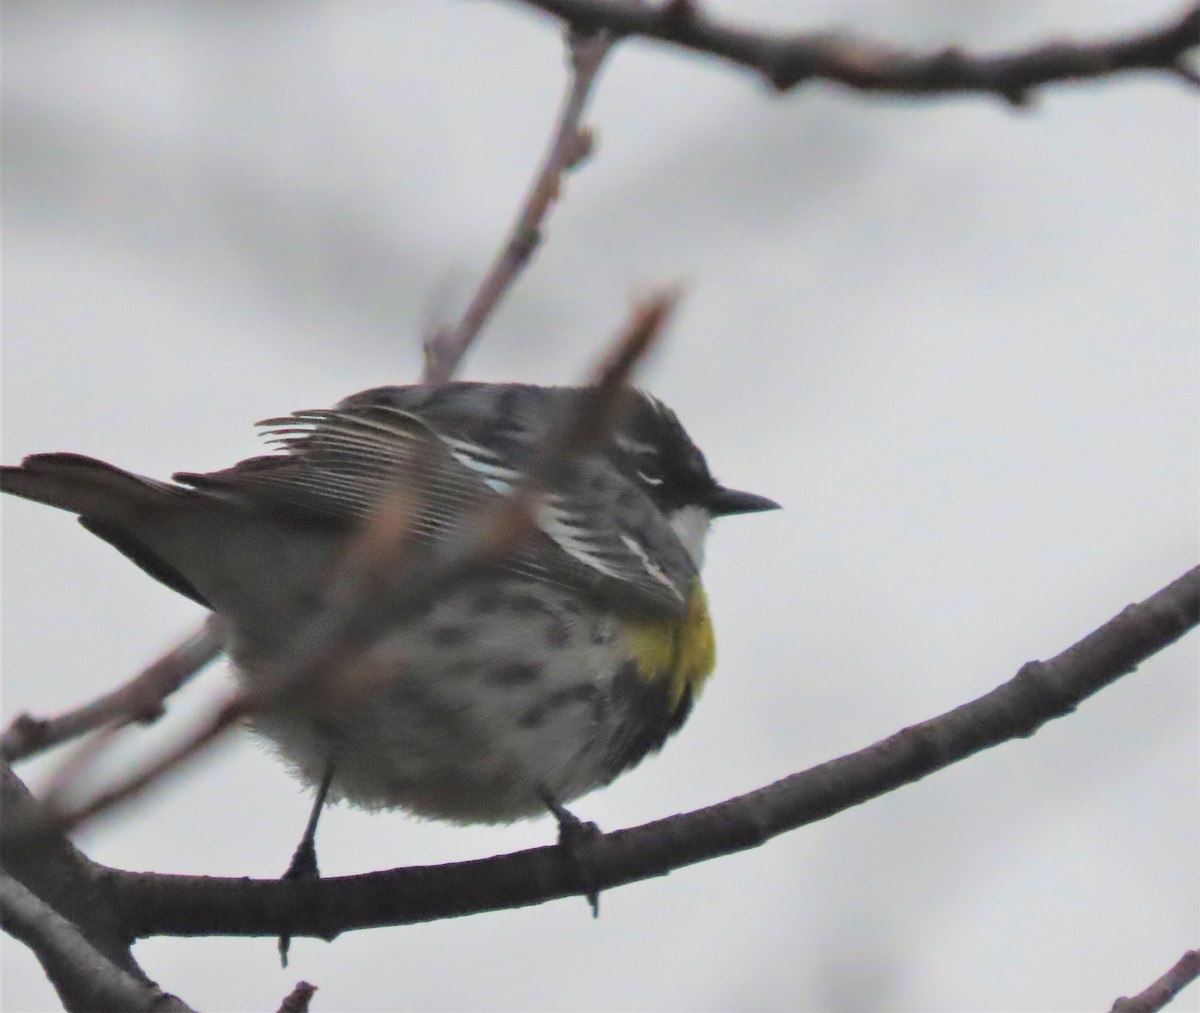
648 479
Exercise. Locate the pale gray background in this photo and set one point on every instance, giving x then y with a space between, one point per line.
958 343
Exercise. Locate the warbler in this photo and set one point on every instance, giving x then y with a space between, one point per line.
519 685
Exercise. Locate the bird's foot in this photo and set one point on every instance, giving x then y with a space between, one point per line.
302 869
577 839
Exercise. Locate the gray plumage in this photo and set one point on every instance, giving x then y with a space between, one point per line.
504 689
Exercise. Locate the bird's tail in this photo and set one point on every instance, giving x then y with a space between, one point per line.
138 516
84 486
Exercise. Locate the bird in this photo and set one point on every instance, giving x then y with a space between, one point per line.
511 688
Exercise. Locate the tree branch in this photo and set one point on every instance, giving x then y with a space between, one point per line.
1157 995
83 978
139 700
786 61
570 144
205 734
52 903
154 904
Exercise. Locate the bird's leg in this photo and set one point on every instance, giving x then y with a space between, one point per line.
576 838
304 859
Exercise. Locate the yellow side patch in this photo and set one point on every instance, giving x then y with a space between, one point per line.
682 653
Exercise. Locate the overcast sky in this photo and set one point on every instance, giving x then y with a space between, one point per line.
958 343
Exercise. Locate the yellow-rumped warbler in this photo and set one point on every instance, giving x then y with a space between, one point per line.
524 684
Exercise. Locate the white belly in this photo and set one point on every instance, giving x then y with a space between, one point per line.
475 712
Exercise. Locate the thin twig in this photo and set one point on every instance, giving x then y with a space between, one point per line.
155 904
1157 995
570 144
206 732
139 700
605 394
788 60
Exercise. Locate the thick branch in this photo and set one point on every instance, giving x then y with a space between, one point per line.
52 903
154 904
786 61
82 976
1161 992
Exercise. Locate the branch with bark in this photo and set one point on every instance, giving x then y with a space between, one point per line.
1155 996
149 904
140 700
570 144
81 918
84 978
72 910
786 61
51 901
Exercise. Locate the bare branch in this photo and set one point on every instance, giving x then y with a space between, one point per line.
62 882
598 412
205 734
139 700
646 325
786 61
569 146
155 904
83 977
57 872
1157 995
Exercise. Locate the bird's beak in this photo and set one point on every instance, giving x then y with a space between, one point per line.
723 502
